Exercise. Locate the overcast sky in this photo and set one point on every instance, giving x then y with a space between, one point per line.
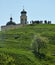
36 10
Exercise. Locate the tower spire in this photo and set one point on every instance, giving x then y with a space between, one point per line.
11 18
23 7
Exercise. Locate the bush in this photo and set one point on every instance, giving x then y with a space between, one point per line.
6 59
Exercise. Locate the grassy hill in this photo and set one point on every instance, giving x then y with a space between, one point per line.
17 46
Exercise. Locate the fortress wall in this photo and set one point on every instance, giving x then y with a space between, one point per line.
4 28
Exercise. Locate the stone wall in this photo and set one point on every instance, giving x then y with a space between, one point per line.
4 28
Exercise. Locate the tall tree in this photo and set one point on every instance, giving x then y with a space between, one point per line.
38 44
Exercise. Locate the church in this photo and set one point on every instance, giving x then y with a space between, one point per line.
12 25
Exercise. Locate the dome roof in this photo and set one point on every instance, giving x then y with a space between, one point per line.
23 11
11 22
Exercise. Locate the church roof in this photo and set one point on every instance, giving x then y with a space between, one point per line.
23 11
11 22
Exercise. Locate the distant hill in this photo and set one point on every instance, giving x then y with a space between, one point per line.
20 46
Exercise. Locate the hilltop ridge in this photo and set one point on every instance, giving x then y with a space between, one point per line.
20 46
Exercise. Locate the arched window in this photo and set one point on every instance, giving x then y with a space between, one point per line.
21 19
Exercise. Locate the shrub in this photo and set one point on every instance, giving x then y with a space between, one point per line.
6 59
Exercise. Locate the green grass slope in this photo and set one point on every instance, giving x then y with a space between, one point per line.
16 46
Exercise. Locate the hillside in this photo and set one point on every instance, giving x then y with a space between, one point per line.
20 46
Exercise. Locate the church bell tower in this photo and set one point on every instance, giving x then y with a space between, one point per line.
23 17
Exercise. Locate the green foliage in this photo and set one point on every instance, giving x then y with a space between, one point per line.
17 45
38 44
6 59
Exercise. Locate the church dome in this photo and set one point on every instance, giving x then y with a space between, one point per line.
11 22
23 11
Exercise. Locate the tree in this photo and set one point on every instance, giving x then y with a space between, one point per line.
38 44
45 21
41 22
49 22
